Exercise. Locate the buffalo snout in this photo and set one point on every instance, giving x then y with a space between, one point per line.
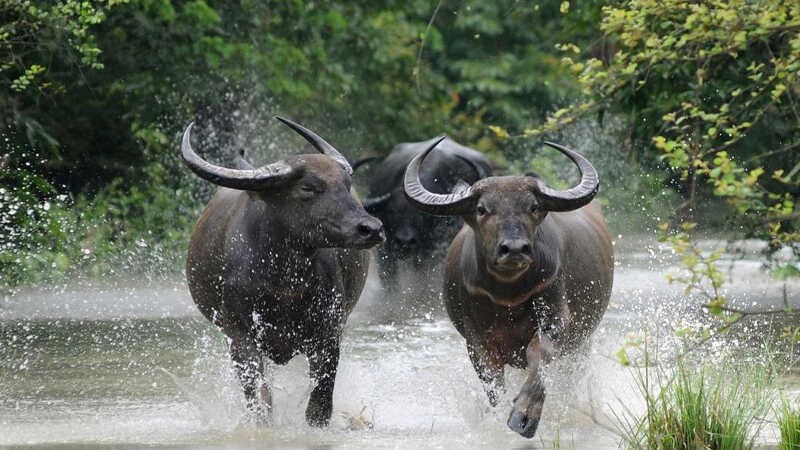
406 234
369 232
514 252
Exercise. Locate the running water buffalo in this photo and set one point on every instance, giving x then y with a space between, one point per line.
414 238
278 260
527 278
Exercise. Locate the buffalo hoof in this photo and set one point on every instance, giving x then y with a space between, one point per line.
259 414
522 424
493 397
258 419
317 422
317 418
262 420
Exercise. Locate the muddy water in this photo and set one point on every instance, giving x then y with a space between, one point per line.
132 364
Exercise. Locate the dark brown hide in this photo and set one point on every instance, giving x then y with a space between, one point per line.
523 284
415 239
280 269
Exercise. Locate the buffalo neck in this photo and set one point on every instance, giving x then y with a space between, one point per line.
481 281
285 261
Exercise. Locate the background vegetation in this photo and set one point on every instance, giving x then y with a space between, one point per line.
711 91
683 105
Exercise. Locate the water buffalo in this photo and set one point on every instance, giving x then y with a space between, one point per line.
413 238
278 260
528 276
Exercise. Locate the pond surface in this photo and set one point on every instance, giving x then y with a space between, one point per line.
132 364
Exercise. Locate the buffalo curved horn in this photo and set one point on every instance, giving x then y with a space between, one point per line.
439 204
318 143
265 177
575 197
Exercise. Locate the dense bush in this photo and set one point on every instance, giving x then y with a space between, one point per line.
711 92
93 96
47 236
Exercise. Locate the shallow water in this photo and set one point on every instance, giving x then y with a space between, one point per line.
132 364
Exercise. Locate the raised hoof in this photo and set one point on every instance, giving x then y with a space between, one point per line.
522 424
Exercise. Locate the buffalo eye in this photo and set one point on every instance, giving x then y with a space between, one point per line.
309 191
310 186
481 210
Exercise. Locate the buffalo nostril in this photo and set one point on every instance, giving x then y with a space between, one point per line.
406 235
365 230
514 247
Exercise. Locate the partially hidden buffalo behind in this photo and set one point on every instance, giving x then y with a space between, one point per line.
278 260
413 239
528 277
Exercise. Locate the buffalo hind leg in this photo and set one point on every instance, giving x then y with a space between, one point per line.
247 361
490 373
527 409
322 364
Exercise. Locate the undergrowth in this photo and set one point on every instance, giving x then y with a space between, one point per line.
707 407
789 425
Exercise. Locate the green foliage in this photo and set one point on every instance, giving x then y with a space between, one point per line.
50 29
35 224
702 277
789 425
632 342
711 89
698 408
48 237
703 282
501 61
93 97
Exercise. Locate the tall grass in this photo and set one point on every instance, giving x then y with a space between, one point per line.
698 408
789 424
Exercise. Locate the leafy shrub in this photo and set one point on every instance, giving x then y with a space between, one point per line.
124 228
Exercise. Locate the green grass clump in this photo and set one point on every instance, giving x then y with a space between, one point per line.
698 408
789 424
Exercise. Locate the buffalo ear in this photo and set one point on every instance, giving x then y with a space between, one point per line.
241 162
362 162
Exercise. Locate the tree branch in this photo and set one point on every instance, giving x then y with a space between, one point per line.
422 43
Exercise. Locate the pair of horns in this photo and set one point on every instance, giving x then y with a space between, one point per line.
463 202
261 178
372 203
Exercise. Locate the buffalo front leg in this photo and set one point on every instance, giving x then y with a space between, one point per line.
247 361
490 372
527 409
322 367
387 271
